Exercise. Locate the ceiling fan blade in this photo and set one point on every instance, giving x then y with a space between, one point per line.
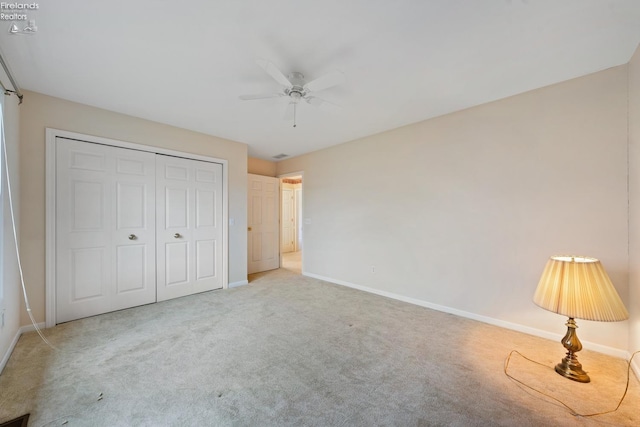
319 102
274 72
328 80
260 96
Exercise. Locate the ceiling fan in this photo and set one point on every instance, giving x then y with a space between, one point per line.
295 87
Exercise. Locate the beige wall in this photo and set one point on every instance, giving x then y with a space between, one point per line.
634 206
40 111
463 211
261 167
11 295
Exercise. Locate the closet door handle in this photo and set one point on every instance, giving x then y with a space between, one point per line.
177 235
132 237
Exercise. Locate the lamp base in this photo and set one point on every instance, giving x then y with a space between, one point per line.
570 367
572 372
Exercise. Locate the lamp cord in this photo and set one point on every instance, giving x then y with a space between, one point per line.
573 411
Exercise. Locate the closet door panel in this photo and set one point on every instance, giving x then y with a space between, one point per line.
205 259
207 225
131 275
83 226
177 263
189 231
134 237
102 199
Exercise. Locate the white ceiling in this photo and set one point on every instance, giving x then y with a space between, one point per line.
186 63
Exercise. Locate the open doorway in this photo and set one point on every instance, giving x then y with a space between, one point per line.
291 232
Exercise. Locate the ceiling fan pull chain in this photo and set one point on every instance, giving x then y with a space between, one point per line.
294 114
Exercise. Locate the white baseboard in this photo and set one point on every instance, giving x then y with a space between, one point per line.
611 351
7 355
29 328
19 333
240 283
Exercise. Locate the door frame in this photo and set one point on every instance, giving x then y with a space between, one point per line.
50 211
288 175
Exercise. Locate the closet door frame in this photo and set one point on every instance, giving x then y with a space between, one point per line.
50 174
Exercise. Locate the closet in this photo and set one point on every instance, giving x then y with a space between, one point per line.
132 227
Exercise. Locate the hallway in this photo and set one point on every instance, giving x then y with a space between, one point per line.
292 261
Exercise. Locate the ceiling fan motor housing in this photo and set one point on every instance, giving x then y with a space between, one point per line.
296 91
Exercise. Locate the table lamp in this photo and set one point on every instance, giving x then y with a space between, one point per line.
579 288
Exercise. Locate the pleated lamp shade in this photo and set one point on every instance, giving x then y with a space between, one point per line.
578 287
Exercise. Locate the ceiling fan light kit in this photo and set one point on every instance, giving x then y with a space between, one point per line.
295 87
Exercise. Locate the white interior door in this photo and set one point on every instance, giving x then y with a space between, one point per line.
287 218
189 226
263 226
105 229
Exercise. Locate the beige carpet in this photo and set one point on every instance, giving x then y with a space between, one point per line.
293 351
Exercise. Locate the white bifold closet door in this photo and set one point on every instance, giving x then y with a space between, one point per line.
133 227
105 231
189 197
